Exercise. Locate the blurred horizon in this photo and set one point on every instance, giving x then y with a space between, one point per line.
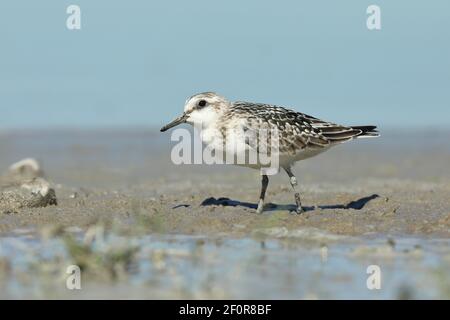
133 64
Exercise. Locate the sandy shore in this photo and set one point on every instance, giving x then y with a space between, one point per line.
393 187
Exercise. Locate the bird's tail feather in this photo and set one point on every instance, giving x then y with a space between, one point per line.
367 131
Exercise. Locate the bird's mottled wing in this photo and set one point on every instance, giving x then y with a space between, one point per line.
295 129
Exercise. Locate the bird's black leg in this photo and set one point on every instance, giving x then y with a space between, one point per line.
293 181
264 184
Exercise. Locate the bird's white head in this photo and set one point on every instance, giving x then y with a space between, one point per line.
201 109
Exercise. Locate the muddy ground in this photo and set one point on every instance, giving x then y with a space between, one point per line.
384 194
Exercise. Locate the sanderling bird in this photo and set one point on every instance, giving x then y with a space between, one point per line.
300 136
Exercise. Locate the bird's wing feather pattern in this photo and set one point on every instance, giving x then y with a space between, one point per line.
296 130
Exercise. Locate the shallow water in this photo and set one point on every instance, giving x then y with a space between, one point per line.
177 266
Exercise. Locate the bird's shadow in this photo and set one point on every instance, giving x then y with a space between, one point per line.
226 202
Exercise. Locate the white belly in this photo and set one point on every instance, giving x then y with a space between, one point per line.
235 149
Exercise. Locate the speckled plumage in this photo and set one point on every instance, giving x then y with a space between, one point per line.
298 132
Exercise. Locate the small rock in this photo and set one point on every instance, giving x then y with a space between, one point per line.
24 187
32 194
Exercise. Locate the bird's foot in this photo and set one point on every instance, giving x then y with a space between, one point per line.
299 210
260 208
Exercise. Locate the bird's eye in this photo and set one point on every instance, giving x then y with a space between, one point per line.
202 103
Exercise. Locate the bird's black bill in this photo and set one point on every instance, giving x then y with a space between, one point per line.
175 122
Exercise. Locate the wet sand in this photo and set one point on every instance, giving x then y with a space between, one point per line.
382 200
